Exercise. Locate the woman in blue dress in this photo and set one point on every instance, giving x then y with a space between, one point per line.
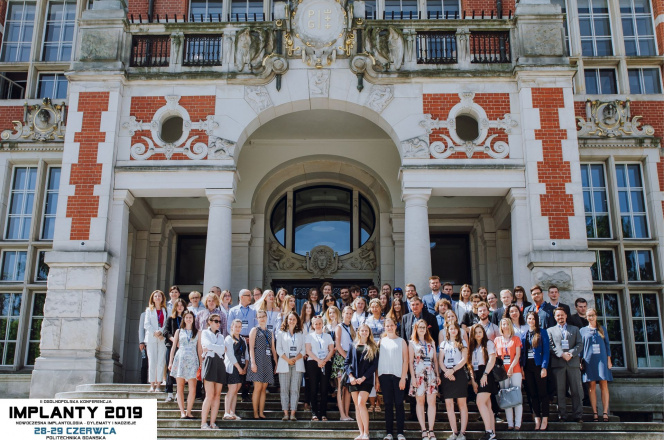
597 357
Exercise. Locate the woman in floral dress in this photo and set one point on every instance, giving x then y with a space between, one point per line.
183 363
424 375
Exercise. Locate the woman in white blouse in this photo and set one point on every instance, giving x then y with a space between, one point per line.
213 371
392 375
290 348
154 324
319 349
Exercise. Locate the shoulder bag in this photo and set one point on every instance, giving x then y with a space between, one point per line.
509 397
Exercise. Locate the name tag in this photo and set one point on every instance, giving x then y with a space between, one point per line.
506 359
531 354
322 354
449 363
476 365
245 324
565 344
292 352
596 349
427 361
268 352
269 327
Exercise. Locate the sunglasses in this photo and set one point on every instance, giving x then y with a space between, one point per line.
330 300
398 293
216 321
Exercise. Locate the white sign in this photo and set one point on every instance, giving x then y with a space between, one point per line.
319 22
79 419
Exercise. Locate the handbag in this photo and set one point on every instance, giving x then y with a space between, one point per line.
498 370
509 397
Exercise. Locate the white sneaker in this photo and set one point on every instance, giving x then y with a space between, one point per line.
460 436
492 436
453 436
401 437
388 437
169 398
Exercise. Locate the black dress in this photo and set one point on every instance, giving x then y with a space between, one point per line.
239 350
367 385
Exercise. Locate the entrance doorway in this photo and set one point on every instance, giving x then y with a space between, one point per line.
300 288
450 258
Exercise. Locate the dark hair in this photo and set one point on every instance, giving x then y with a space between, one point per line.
472 345
445 284
507 313
355 289
322 286
176 288
536 339
396 315
302 310
372 287
386 284
313 289
174 312
415 299
553 286
326 299
579 300
559 309
194 330
284 323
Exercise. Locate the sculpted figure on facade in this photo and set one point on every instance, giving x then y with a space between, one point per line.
41 122
257 97
387 46
319 82
415 147
611 119
221 149
365 258
279 259
380 97
322 261
251 46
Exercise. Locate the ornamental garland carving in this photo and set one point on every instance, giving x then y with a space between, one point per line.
41 122
322 261
185 144
611 119
483 143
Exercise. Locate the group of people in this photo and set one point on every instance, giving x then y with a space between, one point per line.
380 345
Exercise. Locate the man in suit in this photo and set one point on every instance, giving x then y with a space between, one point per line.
432 298
506 298
566 344
539 306
554 301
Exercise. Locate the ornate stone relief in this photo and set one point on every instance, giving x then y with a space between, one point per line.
611 119
417 147
258 98
41 122
483 142
322 261
380 97
154 144
319 82
387 47
364 260
282 260
251 46
221 149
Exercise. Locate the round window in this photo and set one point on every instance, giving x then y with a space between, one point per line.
171 129
467 128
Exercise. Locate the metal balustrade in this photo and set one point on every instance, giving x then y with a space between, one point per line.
490 47
150 51
436 47
202 50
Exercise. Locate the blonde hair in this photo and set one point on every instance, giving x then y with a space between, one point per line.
211 295
327 314
377 302
371 350
509 325
151 304
600 330
286 303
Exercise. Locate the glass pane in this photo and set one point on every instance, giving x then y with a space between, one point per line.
603 227
600 201
630 48
606 263
590 229
5 304
16 205
628 26
322 216
42 268
611 305
641 359
16 304
11 351
587 203
35 329
655 352
607 78
590 75
635 302
650 305
54 178
617 356
626 226
634 81
639 331
278 221
584 24
367 220
602 26
600 7
8 266
594 272
3 328
613 330
634 173
640 226
646 46
585 181
598 175
598 304
645 266
621 179
33 353
13 329
623 201
651 81
49 228
653 331
38 304
584 6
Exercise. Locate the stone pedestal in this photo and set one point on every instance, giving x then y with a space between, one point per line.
417 243
219 245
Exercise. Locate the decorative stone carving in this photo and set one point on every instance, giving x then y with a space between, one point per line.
380 97
185 144
386 46
251 45
416 147
41 122
611 119
279 259
561 279
221 149
483 142
322 261
319 82
257 97
364 260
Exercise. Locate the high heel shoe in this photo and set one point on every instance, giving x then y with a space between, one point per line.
605 417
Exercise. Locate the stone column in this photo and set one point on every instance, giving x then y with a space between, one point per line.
219 245
114 322
521 236
417 243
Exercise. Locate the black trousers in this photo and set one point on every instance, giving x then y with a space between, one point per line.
169 378
144 367
536 388
392 395
319 382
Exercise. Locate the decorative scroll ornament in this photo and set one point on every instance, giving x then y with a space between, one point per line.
41 122
322 261
611 119
483 142
184 145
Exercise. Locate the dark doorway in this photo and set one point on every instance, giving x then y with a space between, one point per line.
190 264
450 258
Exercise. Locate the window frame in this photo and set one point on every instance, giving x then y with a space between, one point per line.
634 15
658 318
9 202
641 80
607 186
619 318
21 31
3 255
652 260
46 192
593 37
55 84
29 341
599 271
598 80
629 190
60 42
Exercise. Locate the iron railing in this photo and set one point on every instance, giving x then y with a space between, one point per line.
246 17
400 15
202 50
150 51
436 47
490 47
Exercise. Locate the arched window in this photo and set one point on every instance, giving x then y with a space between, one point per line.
322 215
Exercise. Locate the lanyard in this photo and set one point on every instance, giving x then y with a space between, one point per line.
187 333
347 331
426 348
178 319
266 334
244 314
320 340
292 339
563 332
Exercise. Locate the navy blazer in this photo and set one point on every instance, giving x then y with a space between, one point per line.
541 352
360 367
546 319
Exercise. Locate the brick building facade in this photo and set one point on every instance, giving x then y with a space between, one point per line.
242 144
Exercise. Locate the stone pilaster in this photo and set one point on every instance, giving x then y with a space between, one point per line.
219 245
417 242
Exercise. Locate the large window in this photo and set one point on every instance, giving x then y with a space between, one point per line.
21 202
647 330
438 9
50 203
323 215
59 32
631 197
644 81
10 312
608 315
595 201
637 27
595 27
604 268
19 26
247 10
205 10
401 9
600 81
52 85
34 332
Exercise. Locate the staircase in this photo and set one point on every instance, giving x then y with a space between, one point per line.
170 426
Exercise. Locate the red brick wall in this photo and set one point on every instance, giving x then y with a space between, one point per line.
553 171
652 112
144 108
86 173
161 8
3 12
439 105
658 9
487 6
9 114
